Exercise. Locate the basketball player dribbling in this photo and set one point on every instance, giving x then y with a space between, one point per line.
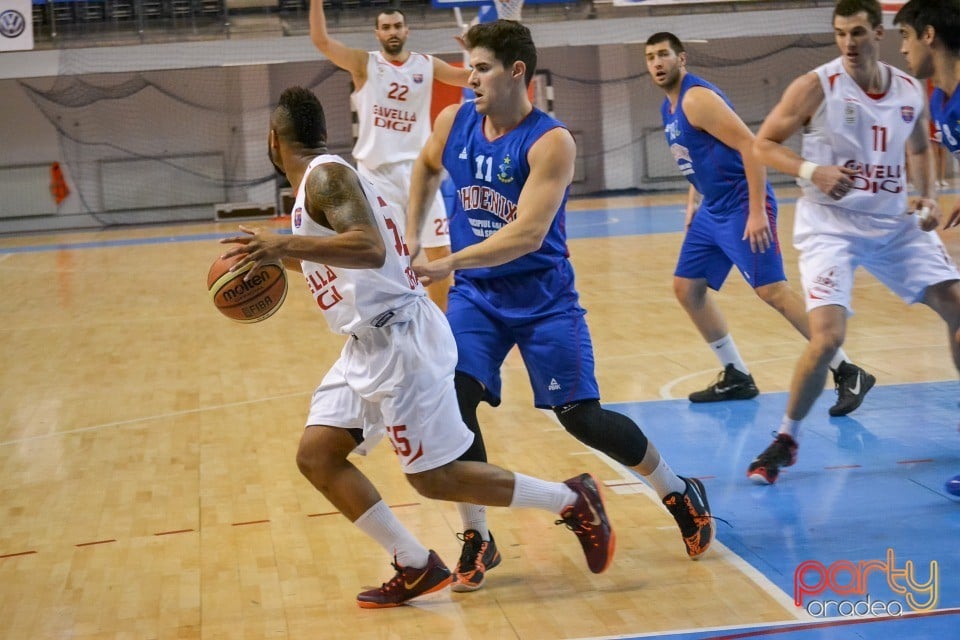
859 117
392 92
395 373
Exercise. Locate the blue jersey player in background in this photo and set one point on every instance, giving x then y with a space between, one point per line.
735 224
930 41
511 166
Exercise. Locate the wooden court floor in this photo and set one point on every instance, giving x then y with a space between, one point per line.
147 453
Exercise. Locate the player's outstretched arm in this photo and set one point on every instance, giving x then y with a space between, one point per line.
351 60
425 177
449 74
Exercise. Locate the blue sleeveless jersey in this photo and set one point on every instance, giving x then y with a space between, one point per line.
713 168
946 117
488 177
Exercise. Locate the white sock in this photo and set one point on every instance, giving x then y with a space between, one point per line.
380 523
838 359
726 351
790 427
474 516
540 494
664 481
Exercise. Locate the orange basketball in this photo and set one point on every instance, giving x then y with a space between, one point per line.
250 300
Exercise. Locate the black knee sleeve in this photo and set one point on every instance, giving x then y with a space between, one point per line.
608 431
469 395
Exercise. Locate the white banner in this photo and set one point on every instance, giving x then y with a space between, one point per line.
888 7
635 3
16 25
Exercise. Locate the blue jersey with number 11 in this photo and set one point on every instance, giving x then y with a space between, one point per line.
488 176
946 118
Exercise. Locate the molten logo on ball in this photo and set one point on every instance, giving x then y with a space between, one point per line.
247 286
245 295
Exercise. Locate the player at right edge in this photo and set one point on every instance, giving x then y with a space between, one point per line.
860 120
930 41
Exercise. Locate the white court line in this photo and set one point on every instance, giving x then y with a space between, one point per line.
160 416
666 390
717 548
584 225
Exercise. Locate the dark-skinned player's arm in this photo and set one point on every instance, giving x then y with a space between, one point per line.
334 199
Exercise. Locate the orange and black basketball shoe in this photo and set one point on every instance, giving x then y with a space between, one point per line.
476 558
692 512
407 584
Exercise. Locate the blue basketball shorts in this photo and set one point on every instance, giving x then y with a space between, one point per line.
539 315
715 243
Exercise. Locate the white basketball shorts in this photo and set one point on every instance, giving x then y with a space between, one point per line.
398 380
393 181
833 242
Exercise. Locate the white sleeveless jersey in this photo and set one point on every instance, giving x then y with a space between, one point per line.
393 109
866 133
353 300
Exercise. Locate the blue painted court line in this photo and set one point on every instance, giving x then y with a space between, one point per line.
580 224
591 223
863 484
104 244
597 223
628 221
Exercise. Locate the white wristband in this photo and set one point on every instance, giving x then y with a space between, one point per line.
806 169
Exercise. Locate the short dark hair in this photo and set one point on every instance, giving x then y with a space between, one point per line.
942 15
388 11
662 36
847 8
508 40
300 118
